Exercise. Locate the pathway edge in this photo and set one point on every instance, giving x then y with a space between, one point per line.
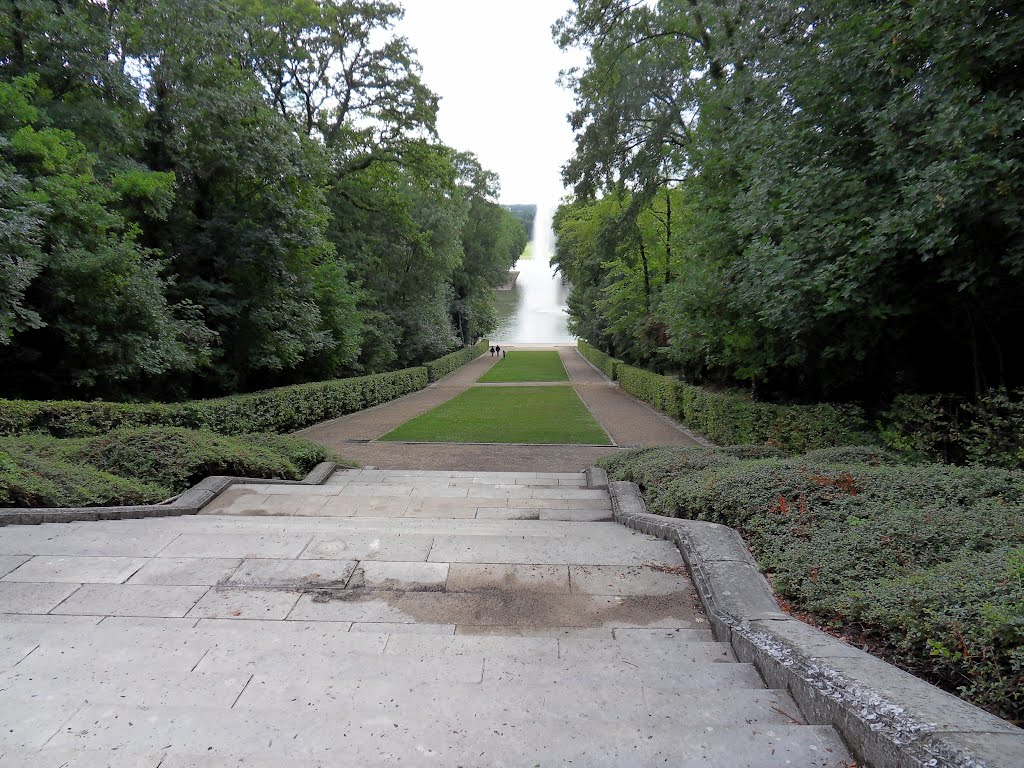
188 502
886 716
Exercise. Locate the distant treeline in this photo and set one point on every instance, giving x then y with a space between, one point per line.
813 199
203 196
526 214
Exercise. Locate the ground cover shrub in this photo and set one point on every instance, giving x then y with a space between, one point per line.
141 466
604 363
33 474
923 562
438 369
284 409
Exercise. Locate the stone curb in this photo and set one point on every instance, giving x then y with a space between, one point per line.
596 478
188 503
888 717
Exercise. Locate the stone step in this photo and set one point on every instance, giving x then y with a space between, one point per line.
423 490
454 482
497 609
459 475
436 739
269 524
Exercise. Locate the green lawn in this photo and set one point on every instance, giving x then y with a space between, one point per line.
526 366
506 415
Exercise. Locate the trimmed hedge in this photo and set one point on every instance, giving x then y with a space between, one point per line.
274 410
284 409
438 369
923 563
141 466
604 363
732 417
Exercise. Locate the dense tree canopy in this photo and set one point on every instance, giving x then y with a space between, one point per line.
200 196
817 199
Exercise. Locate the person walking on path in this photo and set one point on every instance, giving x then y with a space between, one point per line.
492 351
497 350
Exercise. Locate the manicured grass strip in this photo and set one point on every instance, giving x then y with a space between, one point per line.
526 366
506 415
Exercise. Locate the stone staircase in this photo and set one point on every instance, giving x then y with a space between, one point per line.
386 617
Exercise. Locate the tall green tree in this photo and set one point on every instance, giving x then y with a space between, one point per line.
84 304
852 202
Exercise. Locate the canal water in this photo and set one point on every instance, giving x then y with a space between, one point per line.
534 311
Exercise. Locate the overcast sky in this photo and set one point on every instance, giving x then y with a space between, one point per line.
495 66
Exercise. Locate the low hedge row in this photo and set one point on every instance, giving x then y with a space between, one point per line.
922 562
284 409
274 410
732 417
438 369
603 362
141 466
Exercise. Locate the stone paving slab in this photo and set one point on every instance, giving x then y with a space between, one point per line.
538 551
243 545
634 580
244 604
9 562
130 600
369 546
19 597
476 577
185 571
77 570
404 576
291 574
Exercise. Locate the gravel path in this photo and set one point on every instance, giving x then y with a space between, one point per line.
629 422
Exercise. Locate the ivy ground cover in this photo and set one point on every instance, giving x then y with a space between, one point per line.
526 366
506 415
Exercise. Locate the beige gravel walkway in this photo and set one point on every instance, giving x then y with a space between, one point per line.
628 422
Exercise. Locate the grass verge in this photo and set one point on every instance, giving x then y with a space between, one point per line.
922 563
526 366
141 466
506 415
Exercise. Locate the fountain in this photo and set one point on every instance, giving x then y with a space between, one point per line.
534 310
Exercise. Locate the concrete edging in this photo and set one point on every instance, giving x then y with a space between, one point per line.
888 717
187 503
596 478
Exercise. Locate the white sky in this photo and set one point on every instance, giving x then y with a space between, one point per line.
494 65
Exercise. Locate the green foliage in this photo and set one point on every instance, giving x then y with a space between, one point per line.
189 206
35 473
141 466
179 458
730 417
506 415
987 430
817 200
604 363
924 562
82 304
275 410
438 369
